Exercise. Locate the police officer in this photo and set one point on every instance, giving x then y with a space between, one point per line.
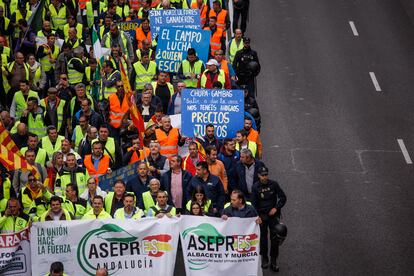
247 66
268 199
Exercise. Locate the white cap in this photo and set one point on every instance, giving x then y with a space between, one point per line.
212 62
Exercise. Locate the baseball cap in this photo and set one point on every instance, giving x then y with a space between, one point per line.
262 171
212 62
246 40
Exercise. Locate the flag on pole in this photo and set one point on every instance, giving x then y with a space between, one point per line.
197 137
135 114
99 56
36 19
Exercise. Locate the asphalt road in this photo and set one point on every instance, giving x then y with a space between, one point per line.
331 138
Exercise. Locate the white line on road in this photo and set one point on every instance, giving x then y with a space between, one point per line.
353 28
375 81
404 151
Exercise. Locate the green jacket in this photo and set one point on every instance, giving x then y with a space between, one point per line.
12 224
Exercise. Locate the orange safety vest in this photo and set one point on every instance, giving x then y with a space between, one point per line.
116 110
136 158
253 136
140 36
215 40
224 66
135 4
102 167
82 4
203 12
221 18
169 144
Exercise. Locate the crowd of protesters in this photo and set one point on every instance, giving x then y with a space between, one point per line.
69 115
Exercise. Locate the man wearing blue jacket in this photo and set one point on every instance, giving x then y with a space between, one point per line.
211 184
246 172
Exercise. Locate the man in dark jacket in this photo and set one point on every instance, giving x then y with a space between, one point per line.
175 182
247 66
268 199
140 183
246 172
230 156
212 186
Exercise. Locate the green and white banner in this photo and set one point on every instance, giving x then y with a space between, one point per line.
15 253
124 247
212 246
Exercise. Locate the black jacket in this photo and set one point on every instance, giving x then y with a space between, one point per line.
241 176
137 187
166 185
267 196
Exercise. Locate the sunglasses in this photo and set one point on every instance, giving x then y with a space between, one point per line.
64 79
264 174
31 180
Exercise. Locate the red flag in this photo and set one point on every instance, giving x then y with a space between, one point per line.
135 114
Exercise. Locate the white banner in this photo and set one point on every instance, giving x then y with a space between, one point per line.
15 253
212 246
124 247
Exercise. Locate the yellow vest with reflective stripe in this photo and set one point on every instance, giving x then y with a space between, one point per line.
234 49
107 91
21 103
40 156
78 136
36 124
120 214
221 78
45 62
48 146
170 87
144 76
187 71
78 28
58 17
206 207
148 201
89 12
138 53
74 76
123 38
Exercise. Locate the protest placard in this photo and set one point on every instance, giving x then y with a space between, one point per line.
222 108
173 44
129 28
15 253
187 18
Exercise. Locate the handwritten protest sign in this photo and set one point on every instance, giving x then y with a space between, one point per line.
222 108
173 44
129 28
188 18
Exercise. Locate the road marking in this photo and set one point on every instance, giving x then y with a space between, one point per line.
375 81
353 28
404 151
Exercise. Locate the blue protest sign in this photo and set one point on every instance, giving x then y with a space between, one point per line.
173 44
129 28
222 108
187 18
106 182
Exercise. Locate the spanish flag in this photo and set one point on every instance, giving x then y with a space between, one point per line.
135 114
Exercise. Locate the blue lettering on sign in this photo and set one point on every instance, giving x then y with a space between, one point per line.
222 108
186 18
173 44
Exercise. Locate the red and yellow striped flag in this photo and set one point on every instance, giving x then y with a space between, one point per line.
135 114
7 141
10 155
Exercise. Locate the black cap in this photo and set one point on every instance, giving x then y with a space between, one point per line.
262 170
246 39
